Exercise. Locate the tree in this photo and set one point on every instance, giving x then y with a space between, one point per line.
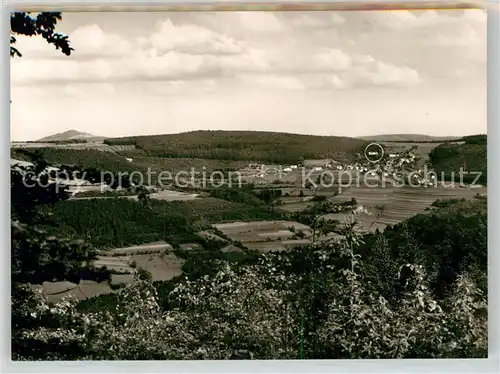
43 24
38 253
313 216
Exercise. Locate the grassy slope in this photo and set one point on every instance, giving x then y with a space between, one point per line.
246 145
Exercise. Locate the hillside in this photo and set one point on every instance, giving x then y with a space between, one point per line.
71 135
472 156
408 138
122 222
270 147
88 158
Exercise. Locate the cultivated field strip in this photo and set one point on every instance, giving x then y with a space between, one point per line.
265 235
77 146
56 291
387 206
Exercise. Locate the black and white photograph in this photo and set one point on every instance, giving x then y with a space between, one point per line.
248 185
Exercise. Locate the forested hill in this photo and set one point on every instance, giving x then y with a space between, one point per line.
471 156
271 147
418 138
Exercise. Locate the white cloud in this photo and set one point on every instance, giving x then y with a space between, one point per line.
385 74
467 36
475 15
403 19
273 82
330 59
191 39
91 40
337 19
259 21
88 90
335 82
317 20
281 50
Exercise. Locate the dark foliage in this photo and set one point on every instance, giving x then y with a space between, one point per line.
475 139
268 195
37 255
237 195
446 242
449 159
43 24
446 202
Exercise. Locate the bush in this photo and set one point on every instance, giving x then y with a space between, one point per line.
144 274
445 203
319 198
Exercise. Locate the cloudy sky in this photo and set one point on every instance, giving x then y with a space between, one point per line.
328 73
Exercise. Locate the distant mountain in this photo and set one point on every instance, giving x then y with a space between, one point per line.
71 135
408 138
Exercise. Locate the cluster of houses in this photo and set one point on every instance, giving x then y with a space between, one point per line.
394 165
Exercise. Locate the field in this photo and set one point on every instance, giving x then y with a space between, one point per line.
56 291
156 247
266 235
98 146
119 264
175 165
162 267
156 258
169 195
389 206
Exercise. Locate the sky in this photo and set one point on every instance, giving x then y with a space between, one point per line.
322 73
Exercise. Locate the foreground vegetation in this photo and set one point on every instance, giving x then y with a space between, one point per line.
313 303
